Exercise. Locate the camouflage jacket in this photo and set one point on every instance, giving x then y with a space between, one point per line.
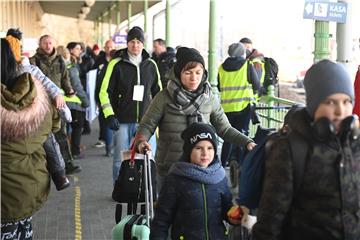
54 67
327 205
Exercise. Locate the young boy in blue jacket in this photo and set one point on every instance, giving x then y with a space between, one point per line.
195 197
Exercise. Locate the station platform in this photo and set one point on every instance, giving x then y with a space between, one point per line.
85 210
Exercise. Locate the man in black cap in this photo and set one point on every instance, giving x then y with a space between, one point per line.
130 82
253 55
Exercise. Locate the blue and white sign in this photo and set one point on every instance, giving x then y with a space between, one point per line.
325 11
119 39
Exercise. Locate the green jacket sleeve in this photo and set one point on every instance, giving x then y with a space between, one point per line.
223 128
152 117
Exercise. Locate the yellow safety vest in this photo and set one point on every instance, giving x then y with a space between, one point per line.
74 98
235 90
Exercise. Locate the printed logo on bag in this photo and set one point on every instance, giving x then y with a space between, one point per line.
201 136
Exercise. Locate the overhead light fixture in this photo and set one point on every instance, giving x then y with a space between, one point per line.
85 10
89 2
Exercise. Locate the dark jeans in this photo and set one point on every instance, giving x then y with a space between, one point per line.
78 119
20 230
105 134
240 121
55 161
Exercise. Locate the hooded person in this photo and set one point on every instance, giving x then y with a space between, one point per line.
328 133
187 99
183 197
56 165
26 121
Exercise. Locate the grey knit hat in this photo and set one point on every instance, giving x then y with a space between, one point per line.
236 50
323 79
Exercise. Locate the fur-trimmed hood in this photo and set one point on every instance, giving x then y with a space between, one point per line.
23 108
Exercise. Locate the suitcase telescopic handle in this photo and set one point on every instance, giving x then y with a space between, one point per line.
149 208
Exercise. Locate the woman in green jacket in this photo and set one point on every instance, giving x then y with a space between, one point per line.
187 99
26 121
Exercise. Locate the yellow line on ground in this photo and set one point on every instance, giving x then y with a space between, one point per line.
77 214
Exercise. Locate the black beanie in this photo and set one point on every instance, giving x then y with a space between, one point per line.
185 55
195 133
136 33
323 79
245 40
72 45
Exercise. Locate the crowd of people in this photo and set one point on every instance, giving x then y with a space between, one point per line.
164 102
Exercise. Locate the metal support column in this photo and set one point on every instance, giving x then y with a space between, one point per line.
344 38
101 27
146 6
96 31
167 24
212 47
110 21
118 19
129 13
321 40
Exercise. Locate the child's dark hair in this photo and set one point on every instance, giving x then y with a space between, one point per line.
8 64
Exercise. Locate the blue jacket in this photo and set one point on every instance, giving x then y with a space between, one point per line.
194 202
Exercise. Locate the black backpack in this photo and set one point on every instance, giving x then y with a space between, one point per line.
271 72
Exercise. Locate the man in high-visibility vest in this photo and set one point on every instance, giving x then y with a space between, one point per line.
238 83
131 81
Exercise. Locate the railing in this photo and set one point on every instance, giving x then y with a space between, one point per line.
271 111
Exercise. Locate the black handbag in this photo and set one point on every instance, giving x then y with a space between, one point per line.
130 184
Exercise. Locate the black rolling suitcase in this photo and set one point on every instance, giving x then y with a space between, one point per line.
134 186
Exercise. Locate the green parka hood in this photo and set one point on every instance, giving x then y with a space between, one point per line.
23 108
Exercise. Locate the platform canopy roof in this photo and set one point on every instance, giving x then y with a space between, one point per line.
99 8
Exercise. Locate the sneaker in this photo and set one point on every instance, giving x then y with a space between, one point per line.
61 182
71 169
99 144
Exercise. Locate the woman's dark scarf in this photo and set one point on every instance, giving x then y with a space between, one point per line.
188 103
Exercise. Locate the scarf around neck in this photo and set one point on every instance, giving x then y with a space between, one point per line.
136 60
188 103
213 174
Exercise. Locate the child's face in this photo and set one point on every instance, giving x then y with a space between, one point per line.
336 107
202 154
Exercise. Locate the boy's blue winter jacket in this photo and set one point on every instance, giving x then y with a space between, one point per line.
194 202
